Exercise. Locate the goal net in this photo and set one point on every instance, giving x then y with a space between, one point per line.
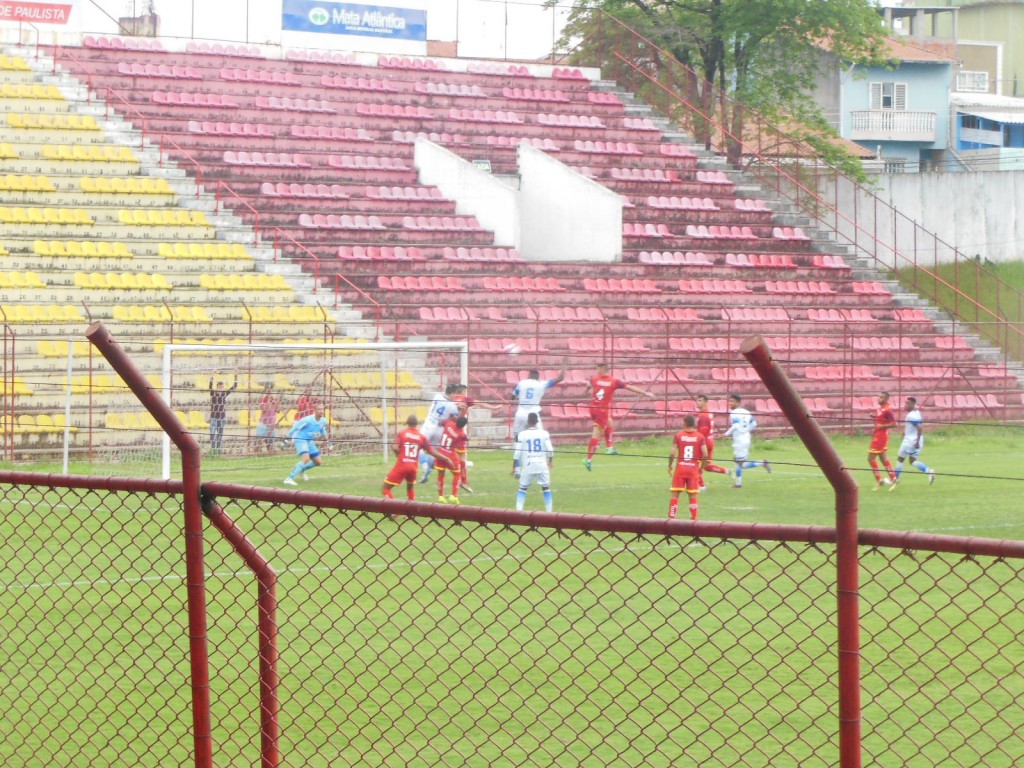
239 400
71 402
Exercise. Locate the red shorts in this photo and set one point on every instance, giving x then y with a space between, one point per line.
402 473
686 479
879 442
450 462
600 416
710 443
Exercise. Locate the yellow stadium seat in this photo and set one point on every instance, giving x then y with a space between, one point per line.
196 421
7 152
81 280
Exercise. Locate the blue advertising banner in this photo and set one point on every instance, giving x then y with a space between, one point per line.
351 19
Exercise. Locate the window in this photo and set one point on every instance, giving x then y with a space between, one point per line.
974 82
970 121
889 96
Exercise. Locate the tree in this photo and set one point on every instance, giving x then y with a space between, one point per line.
762 54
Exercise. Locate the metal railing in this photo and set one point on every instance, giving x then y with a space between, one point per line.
787 164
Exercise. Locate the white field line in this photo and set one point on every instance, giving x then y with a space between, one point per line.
410 565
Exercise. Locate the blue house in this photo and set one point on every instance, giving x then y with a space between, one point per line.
989 130
900 113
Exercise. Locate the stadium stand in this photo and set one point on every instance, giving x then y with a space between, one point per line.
320 154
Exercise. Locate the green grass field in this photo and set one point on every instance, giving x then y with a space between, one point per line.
979 490
421 644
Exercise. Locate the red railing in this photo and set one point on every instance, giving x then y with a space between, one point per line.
306 257
780 162
165 141
35 29
223 185
121 362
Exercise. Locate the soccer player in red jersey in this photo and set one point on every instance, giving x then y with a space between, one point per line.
464 402
408 444
706 426
602 389
685 462
885 420
453 441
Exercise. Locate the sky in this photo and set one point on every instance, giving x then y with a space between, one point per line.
514 29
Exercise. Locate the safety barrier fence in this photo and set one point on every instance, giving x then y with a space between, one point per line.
491 637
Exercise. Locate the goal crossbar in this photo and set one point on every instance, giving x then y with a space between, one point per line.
386 352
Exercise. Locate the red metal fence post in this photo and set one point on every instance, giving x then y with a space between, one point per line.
266 604
121 362
847 576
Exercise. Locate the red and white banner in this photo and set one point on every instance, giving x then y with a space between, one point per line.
35 13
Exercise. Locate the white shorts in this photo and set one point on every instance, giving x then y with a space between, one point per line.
740 448
432 432
519 420
909 448
541 474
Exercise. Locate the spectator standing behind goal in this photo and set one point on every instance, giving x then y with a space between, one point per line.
303 434
884 420
270 416
219 412
306 404
741 424
532 461
602 389
409 444
452 443
913 442
685 464
705 421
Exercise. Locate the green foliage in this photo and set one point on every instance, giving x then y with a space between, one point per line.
765 54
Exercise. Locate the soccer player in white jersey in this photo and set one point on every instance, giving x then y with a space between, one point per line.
741 424
532 461
913 442
442 408
303 433
530 391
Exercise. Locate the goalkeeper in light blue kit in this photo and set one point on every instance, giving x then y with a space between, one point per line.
532 461
303 433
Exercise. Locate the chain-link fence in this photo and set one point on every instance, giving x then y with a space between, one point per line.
427 640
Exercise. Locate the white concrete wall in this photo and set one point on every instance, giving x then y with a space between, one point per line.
566 216
475 192
555 215
977 213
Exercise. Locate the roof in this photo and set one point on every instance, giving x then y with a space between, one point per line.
904 51
1001 109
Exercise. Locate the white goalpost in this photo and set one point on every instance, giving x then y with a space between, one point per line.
365 388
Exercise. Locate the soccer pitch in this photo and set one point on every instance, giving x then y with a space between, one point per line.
420 643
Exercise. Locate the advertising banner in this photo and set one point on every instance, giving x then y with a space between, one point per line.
353 19
35 13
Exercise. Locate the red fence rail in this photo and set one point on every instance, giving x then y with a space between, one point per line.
493 636
432 633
